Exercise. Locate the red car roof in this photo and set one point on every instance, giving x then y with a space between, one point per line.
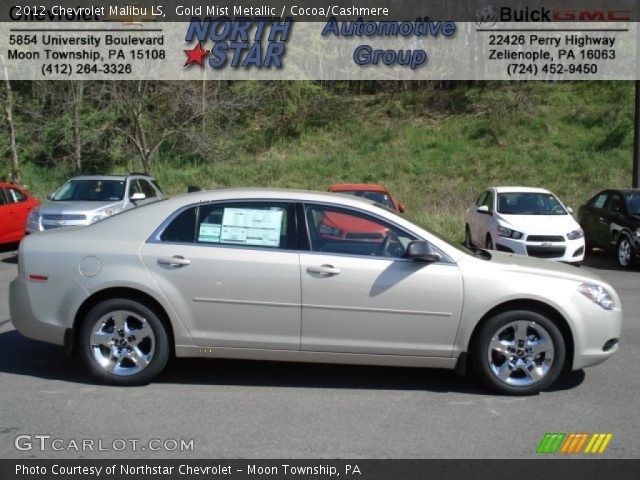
357 187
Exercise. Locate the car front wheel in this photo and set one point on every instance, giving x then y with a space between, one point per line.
123 342
467 237
518 352
625 252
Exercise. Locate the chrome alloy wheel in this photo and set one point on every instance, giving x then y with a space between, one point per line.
122 342
624 252
520 353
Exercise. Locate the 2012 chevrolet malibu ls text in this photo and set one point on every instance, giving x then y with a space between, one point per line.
248 273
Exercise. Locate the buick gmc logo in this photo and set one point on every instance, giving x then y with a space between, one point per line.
488 15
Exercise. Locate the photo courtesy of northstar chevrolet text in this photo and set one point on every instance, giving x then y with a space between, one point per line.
292 239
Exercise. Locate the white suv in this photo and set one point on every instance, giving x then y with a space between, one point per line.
525 221
86 199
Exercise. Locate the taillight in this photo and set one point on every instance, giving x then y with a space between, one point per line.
38 278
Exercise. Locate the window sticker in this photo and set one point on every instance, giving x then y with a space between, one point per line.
209 232
245 226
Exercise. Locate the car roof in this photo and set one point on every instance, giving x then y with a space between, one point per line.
358 187
269 194
519 190
11 185
109 177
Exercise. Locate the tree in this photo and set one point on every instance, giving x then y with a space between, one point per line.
14 176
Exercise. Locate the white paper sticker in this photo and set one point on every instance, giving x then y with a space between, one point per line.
251 227
209 232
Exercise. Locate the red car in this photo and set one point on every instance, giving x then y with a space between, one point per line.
15 205
338 226
376 193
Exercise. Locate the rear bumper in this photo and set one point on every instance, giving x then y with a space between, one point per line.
24 320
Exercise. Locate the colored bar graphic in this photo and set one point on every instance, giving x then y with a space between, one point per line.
551 442
572 443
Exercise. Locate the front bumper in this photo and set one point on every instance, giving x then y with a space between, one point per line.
596 331
569 251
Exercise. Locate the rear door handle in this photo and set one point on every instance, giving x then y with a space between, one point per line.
325 270
175 261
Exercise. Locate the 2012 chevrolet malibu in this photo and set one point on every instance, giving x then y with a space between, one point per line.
247 273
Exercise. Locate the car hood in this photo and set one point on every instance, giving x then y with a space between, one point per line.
552 224
53 208
536 266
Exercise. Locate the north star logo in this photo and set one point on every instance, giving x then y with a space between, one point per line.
239 43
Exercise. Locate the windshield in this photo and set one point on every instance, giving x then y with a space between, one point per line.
377 197
633 202
91 191
521 203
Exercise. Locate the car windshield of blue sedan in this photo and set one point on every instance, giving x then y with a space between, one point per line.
523 203
91 191
633 202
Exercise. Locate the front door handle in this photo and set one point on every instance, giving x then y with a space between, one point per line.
324 270
175 261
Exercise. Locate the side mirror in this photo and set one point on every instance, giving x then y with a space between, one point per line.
483 209
570 210
402 208
136 197
50 195
421 250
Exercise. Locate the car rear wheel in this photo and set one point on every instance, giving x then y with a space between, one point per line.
518 352
625 252
123 342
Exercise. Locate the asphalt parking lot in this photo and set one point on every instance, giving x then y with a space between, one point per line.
271 410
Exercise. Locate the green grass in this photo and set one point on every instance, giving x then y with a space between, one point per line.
436 151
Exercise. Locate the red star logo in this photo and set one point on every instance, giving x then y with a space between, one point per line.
195 55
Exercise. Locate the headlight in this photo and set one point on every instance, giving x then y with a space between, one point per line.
101 215
508 233
576 234
597 294
638 232
327 230
33 215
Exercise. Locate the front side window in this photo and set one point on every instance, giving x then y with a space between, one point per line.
3 199
266 225
16 196
342 231
147 189
482 199
633 203
522 203
91 191
615 204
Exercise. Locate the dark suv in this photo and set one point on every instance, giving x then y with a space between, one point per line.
611 221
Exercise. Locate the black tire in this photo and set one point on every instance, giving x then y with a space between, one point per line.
467 237
625 243
489 243
481 352
152 347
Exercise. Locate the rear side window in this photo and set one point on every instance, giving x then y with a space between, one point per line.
598 201
243 224
3 198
